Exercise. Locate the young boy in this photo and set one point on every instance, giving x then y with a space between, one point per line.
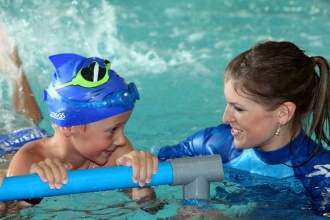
89 105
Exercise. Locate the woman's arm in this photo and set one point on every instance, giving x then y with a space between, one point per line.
209 141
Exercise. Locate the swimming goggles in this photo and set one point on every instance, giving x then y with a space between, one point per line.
120 98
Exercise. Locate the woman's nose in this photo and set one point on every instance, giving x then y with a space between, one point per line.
227 116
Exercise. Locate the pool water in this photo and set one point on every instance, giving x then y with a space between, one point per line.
175 52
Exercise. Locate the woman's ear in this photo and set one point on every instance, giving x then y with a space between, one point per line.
66 131
286 112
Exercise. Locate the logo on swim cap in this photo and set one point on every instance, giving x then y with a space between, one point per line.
58 116
84 90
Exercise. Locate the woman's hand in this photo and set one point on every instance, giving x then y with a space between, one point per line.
52 171
144 165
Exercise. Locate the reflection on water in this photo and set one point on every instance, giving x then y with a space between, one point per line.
11 121
4 163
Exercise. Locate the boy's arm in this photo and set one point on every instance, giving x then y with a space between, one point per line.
2 176
29 159
20 165
22 161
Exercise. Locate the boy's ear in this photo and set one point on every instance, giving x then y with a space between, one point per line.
286 112
66 131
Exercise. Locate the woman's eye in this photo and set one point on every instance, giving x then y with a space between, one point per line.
238 109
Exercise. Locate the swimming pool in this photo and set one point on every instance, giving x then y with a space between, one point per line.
175 52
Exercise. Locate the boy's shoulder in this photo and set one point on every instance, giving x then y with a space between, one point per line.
31 152
35 151
36 148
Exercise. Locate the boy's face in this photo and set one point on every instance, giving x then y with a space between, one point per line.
97 141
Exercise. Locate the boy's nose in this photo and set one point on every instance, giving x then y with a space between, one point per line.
120 139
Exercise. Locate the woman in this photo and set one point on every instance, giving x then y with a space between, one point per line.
276 103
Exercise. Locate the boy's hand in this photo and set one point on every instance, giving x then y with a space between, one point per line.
144 165
52 171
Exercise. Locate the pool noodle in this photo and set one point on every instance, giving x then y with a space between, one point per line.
80 181
194 173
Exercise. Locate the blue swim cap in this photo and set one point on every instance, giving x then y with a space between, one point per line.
85 90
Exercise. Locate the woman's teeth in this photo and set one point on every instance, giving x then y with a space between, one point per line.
236 130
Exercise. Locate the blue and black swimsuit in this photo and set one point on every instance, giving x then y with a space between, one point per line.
292 160
10 143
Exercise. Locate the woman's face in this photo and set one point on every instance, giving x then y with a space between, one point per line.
251 125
